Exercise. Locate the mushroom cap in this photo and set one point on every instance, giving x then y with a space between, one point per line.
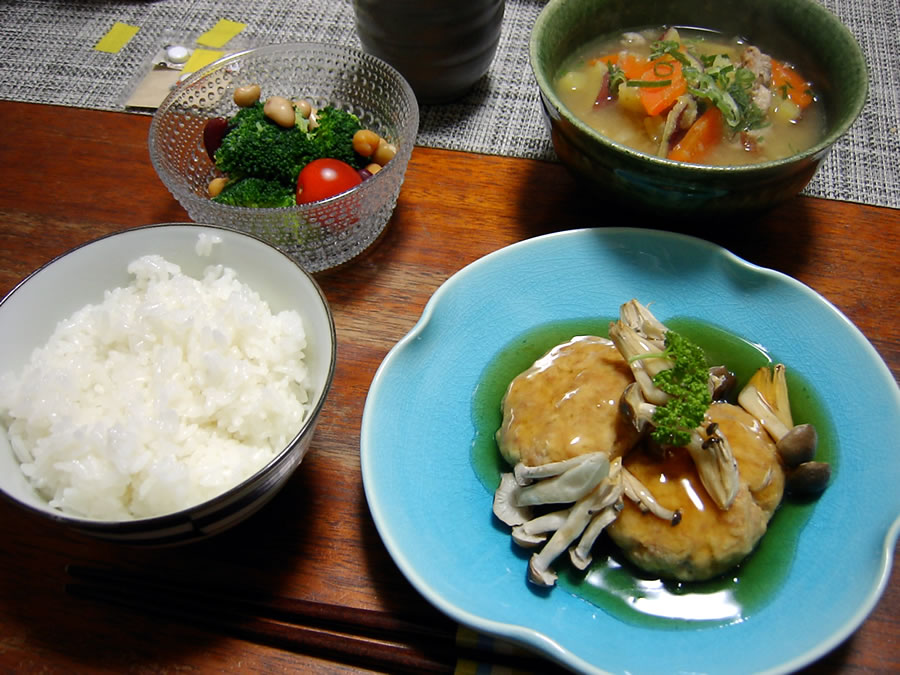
809 479
798 445
505 507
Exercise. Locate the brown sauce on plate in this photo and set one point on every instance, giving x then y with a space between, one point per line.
611 583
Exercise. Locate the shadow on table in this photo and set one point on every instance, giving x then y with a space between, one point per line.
778 238
264 555
442 120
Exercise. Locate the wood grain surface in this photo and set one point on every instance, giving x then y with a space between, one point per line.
70 175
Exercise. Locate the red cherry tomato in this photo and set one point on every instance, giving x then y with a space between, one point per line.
324 178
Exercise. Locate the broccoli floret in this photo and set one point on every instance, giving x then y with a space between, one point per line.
256 193
334 136
257 147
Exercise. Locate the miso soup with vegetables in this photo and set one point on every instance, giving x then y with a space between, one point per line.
692 96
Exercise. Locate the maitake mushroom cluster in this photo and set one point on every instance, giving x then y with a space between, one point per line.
566 504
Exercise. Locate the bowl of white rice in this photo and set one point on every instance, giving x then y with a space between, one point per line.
160 384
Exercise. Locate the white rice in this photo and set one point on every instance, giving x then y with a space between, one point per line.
169 392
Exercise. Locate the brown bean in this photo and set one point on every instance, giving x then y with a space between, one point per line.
384 153
303 107
246 96
280 110
216 185
365 142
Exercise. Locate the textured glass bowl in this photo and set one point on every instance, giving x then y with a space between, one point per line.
320 235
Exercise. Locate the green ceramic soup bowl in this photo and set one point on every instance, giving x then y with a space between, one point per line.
800 31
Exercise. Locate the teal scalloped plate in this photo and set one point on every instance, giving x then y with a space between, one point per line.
434 513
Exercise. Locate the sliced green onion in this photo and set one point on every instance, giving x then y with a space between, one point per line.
648 83
715 79
616 77
681 58
662 47
663 68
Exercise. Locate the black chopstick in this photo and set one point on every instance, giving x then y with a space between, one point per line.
351 635
301 639
289 610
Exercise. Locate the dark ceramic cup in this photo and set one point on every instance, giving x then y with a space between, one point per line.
441 48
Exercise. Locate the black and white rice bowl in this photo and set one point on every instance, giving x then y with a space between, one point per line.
31 311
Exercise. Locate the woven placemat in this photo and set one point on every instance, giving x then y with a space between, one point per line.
47 55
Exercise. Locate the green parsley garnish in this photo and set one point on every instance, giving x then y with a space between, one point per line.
687 384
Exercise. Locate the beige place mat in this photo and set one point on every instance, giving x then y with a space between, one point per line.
47 55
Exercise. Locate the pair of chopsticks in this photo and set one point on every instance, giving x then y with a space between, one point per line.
354 636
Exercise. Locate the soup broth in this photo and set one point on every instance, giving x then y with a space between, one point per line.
692 95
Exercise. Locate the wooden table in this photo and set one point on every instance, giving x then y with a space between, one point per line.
70 175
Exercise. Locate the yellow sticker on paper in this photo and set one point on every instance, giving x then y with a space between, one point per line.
221 33
117 37
200 58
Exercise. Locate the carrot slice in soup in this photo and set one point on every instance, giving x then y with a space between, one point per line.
785 78
658 99
631 65
609 58
705 133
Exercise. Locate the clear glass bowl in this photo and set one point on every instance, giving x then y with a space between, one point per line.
320 235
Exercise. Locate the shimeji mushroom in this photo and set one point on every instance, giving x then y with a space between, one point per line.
567 481
721 382
577 480
505 507
635 409
716 465
640 495
534 532
636 334
596 487
709 449
766 397
580 555
579 516
526 474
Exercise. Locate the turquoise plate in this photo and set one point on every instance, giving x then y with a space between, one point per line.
434 514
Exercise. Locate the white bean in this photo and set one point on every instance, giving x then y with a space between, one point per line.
246 96
280 110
